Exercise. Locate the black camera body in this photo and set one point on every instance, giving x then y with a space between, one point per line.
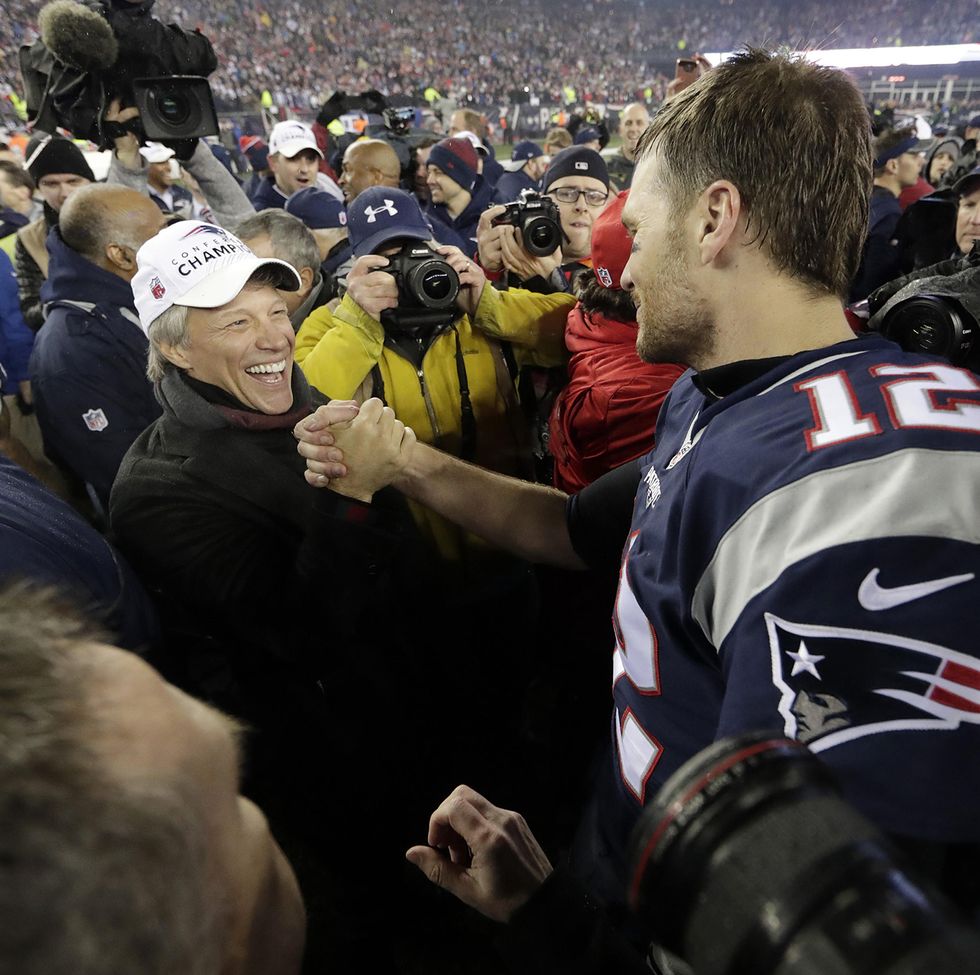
427 291
538 220
935 311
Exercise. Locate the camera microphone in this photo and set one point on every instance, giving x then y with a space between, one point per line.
78 36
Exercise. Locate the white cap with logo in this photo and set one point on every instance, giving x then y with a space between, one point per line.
156 152
197 265
289 138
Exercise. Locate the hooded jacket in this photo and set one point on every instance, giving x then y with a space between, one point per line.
950 144
88 368
607 414
466 223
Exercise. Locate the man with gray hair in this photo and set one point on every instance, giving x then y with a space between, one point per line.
124 843
88 364
277 234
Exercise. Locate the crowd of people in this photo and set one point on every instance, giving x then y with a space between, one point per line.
354 453
605 50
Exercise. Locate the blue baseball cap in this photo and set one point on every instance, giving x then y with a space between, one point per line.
317 208
521 154
588 133
380 214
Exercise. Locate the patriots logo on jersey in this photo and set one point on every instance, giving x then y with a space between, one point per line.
838 684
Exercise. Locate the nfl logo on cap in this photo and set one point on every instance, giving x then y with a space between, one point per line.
157 289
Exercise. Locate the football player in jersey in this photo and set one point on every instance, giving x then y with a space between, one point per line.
799 552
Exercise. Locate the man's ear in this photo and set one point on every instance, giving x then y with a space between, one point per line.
719 210
177 354
306 275
122 257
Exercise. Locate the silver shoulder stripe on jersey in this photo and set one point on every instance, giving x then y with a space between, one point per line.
807 516
809 367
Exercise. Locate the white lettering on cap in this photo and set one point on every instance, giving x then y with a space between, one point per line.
581 165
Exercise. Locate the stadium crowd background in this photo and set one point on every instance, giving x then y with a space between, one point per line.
496 53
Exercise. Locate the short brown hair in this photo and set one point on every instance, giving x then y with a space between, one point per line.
794 138
17 175
888 140
558 136
475 122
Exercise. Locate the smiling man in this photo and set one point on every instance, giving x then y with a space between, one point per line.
622 161
213 510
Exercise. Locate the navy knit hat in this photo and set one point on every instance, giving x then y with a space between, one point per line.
457 159
576 161
50 154
380 214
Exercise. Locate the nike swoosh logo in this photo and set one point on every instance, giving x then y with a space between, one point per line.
874 598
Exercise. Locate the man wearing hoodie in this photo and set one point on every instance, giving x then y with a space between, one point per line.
459 195
88 368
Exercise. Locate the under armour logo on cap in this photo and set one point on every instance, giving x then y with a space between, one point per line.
381 214
372 212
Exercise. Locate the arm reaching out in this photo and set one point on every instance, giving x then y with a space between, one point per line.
484 855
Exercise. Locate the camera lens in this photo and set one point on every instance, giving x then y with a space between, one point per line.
173 107
749 861
541 236
433 284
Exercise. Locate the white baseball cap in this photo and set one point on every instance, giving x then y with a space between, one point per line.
474 140
289 138
156 152
197 265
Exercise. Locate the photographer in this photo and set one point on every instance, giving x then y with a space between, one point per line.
445 378
577 181
133 167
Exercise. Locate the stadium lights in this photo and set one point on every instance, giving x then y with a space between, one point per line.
882 57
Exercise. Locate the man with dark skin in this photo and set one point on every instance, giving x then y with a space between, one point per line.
368 162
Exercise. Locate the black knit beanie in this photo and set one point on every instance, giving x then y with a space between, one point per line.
49 154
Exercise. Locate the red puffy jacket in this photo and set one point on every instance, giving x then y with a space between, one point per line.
607 413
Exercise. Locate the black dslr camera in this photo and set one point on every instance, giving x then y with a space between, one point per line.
92 52
427 290
935 311
538 221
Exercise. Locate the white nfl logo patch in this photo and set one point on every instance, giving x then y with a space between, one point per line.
605 278
95 420
652 482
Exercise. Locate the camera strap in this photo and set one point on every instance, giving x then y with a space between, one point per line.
467 417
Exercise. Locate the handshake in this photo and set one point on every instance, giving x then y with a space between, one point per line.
353 450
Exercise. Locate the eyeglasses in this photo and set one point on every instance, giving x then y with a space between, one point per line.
569 194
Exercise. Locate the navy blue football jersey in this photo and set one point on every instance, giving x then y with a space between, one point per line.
803 558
